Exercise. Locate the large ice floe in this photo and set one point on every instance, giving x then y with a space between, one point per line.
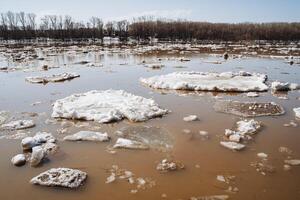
53 78
107 106
207 81
62 177
249 109
88 136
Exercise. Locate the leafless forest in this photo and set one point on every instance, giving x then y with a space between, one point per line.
20 26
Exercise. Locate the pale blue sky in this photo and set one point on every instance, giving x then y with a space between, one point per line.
198 10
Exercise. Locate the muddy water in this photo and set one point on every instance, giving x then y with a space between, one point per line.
204 158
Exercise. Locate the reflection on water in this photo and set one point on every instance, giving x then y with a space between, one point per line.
204 159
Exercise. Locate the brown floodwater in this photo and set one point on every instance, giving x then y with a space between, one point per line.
203 158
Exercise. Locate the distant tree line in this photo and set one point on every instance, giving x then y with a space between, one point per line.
20 26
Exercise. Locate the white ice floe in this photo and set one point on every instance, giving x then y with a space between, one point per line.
18 160
190 118
292 162
206 81
213 197
244 129
107 106
262 155
53 78
19 124
130 144
297 112
62 177
233 145
280 86
88 136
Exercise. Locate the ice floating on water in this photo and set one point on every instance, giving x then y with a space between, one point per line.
190 118
206 81
19 124
130 144
213 197
18 160
88 136
107 106
252 94
292 162
169 165
62 177
297 112
279 86
37 155
249 109
53 78
233 145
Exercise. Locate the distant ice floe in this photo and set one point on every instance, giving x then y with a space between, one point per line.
206 81
53 78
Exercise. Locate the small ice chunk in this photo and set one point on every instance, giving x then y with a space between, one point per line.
62 177
232 145
154 66
18 160
88 136
297 112
262 155
280 86
130 144
292 162
252 94
190 118
37 155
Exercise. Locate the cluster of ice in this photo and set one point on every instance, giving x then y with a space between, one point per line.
88 136
244 130
41 145
130 144
297 112
206 81
61 177
280 86
19 124
169 165
53 78
107 106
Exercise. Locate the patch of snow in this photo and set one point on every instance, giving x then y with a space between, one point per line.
62 177
206 81
107 106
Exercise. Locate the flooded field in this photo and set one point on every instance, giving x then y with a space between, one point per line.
266 168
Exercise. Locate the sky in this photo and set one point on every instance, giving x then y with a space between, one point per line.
229 11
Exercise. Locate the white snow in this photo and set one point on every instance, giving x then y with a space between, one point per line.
206 81
297 112
62 177
130 144
190 118
18 160
232 145
107 106
280 86
88 136
53 78
19 124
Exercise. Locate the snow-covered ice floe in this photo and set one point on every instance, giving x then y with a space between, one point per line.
18 125
130 144
249 109
280 86
53 78
88 136
107 106
62 177
206 81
